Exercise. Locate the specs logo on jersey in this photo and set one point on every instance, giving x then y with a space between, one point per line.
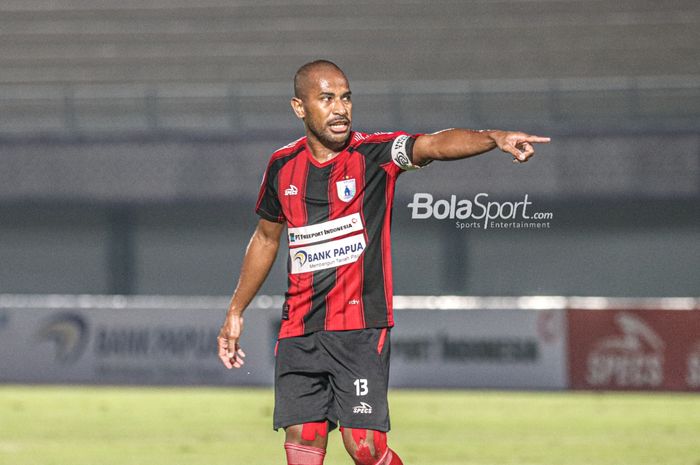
346 189
291 190
300 258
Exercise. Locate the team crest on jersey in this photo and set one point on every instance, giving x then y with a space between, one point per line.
346 189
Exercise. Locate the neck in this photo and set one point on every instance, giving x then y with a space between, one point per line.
322 152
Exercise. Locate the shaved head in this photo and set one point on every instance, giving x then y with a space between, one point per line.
303 79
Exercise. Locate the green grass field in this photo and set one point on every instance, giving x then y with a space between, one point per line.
154 426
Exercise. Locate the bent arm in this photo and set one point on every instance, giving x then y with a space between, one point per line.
259 258
455 144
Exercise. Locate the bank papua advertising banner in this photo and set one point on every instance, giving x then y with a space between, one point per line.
634 349
128 346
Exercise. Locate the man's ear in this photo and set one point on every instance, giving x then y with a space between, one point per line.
298 107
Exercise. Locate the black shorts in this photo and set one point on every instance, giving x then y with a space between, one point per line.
339 376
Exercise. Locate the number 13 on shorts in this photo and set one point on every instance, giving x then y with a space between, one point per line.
361 388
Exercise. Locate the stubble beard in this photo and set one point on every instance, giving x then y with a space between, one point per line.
330 143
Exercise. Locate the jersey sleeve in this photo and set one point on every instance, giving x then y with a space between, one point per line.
268 204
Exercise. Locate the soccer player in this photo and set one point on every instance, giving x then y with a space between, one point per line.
334 189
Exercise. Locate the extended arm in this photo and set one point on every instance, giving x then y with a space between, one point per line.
454 144
258 260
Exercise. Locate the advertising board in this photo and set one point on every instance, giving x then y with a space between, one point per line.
632 349
170 340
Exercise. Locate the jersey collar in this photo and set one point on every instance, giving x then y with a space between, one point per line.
341 155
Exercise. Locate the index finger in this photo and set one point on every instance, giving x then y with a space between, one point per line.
537 139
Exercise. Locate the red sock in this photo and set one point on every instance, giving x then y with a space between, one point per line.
395 460
303 455
390 458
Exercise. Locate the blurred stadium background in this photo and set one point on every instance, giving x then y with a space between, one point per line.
133 135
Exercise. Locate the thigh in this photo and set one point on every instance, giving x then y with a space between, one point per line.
359 367
302 387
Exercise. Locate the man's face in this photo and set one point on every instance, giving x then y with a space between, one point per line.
326 107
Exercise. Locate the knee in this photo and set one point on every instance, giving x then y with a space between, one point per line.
306 444
366 447
308 434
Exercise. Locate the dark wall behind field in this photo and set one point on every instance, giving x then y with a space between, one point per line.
607 247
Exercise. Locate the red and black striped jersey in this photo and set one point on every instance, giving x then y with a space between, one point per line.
338 217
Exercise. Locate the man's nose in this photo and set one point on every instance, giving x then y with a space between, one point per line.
339 107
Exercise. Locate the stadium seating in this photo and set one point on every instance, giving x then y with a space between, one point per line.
94 66
132 41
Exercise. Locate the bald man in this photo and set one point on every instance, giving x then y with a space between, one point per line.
334 191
